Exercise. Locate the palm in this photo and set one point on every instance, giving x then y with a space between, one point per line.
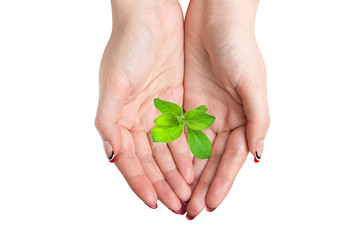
142 61
206 78
153 67
218 60
203 86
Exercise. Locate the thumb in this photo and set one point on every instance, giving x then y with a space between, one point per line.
254 97
113 91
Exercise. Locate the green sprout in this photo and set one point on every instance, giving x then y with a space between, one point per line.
169 126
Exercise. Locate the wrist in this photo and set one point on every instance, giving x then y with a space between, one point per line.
124 6
241 11
123 10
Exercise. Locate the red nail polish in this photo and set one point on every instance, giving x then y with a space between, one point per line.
183 211
185 203
153 207
178 212
210 209
256 157
189 218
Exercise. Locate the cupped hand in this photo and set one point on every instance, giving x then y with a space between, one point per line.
224 69
143 60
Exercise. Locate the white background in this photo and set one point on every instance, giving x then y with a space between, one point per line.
55 182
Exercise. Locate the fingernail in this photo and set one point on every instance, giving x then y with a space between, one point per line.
178 212
189 217
210 209
109 151
185 203
183 210
153 207
258 151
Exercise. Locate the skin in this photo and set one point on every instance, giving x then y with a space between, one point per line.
143 60
224 70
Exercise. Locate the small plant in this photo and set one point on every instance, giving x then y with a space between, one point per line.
169 126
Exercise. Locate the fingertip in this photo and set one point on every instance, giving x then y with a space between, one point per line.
167 196
256 149
210 209
188 175
142 187
178 185
194 210
109 151
197 201
187 196
217 192
185 203
151 200
189 217
152 206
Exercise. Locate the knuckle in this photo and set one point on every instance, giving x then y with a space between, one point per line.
159 149
234 151
146 159
126 155
224 181
204 183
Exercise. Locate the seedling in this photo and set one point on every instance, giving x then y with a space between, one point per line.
169 126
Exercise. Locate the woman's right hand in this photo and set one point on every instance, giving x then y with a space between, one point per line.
144 60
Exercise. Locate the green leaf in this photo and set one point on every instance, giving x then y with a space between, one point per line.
202 108
166 134
167 120
168 107
199 143
198 120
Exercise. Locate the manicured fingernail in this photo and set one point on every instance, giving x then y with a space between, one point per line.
258 151
185 203
183 210
189 217
109 151
178 212
153 207
210 209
